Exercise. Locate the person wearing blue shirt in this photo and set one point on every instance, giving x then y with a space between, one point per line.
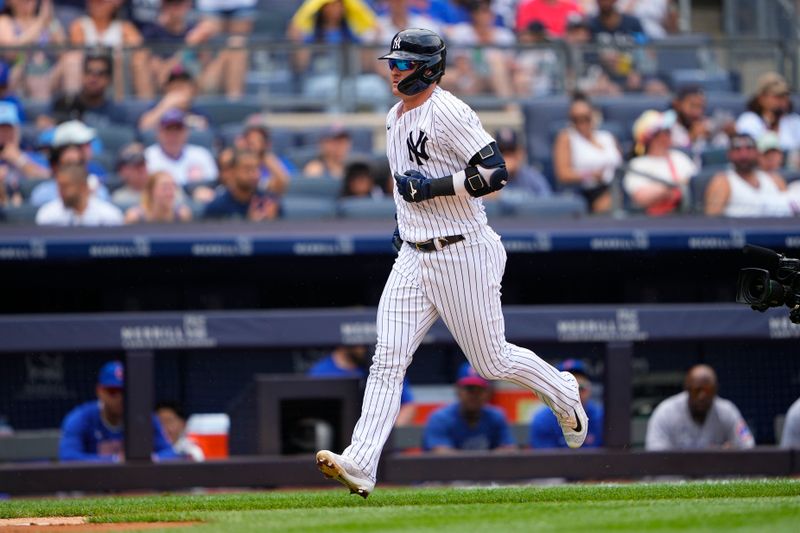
93 431
469 424
352 361
545 431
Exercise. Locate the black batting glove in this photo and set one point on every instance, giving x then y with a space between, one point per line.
413 186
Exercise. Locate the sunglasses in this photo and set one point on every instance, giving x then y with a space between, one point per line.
95 72
577 119
402 64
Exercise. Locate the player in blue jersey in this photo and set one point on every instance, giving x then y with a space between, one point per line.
93 431
468 424
545 431
352 361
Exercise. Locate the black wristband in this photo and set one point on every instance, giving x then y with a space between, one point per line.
442 187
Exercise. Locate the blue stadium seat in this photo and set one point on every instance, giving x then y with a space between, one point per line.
709 81
115 137
314 187
361 137
563 205
496 208
221 111
681 51
698 185
34 109
305 208
714 157
283 139
380 208
732 103
539 113
21 214
625 110
134 108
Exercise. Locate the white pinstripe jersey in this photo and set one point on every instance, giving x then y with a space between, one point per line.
438 139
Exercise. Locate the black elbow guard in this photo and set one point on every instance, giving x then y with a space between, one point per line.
487 172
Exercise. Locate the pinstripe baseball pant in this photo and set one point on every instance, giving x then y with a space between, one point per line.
460 284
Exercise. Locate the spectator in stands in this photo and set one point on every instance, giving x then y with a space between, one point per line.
693 131
70 150
189 164
274 170
359 181
523 179
612 27
770 109
94 430
657 178
655 15
770 155
545 431
225 166
24 23
468 424
536 70
586 157
333 22
593 80
241 198
131 169
180 91
92 105
334 151
492 65
697 418
617 35
76 205
173 421
159 202
77 133
174 35
552 14
353 361
17 165
235 19
790 437
399 16
101 27
744 190
7 89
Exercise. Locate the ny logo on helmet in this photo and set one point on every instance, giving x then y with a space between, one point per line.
396 43
416 149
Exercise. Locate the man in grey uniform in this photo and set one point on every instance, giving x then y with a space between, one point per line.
791 427
697 418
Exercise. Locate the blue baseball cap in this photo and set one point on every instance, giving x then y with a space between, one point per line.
573 365
468 376
112 374
9 114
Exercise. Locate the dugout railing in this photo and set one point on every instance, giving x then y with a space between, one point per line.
142 335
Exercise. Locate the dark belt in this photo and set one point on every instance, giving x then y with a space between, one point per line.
436 243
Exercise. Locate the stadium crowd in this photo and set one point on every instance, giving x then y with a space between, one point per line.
143 90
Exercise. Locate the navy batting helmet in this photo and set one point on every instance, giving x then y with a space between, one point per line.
426 49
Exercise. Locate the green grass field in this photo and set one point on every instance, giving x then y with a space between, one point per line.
772 505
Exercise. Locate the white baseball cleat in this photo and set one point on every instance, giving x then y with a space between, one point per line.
343 470
574 427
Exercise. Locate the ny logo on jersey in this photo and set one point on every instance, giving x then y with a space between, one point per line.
416 149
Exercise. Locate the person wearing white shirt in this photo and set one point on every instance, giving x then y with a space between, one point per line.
770 109
744 190
658 177
76 206
187 163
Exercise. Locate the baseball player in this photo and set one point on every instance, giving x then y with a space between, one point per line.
450 262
